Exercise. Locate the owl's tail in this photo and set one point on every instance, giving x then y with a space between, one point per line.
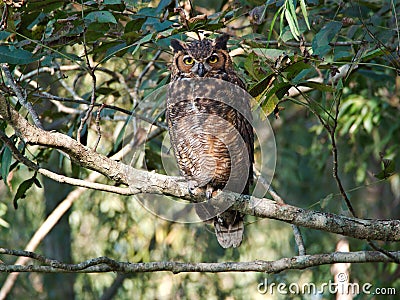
229 229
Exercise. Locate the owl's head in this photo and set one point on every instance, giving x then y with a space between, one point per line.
202 58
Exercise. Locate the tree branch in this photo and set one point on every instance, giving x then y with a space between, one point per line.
105 264
20 96
140 181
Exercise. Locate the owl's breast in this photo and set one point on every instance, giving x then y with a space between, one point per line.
207 143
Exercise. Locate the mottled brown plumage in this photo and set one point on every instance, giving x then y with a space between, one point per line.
210 130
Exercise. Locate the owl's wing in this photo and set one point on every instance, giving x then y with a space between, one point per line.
246 129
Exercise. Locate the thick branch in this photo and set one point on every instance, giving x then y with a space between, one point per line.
105 264
141 181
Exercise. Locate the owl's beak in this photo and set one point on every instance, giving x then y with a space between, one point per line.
201 70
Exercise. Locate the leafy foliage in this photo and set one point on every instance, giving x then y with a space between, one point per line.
319 66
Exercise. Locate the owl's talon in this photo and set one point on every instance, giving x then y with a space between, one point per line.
209 192
192 186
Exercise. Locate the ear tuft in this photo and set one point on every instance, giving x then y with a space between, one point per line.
177 45
220 42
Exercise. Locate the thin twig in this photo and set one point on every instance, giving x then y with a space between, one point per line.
61 80
4 17
113 107
332 133
384 251
21 96
98 129
93 94
140 77
50 70
35 85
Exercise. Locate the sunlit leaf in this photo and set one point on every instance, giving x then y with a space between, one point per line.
269 105
304 11
271 54
292 24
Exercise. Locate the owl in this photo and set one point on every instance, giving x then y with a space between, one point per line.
213 140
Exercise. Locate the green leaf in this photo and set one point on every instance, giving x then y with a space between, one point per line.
324 202
388 169
253 67
21 192
292 11
162 5
37 182
270 97
261 86
304 11
279 89
112 2
292 70
317 86
44 5
113 50
101 17
4 35
291 18
6 157
3 211
367 122
271 54
320 43
134 26
292 25
143 40
9 54
339 85
271 27
282 15
4 223
372 54
269 105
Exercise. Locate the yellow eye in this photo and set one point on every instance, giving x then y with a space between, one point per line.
213 59
188 61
